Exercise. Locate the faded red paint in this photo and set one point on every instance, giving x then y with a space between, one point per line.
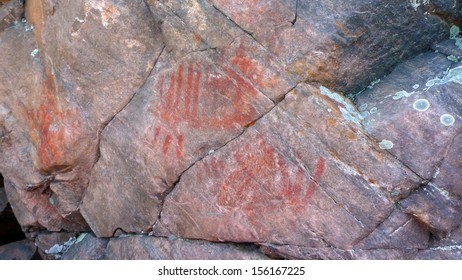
266 179
168 141
200 97
52 128
211 92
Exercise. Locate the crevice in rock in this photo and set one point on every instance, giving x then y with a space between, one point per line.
374 229
444 17
10 229
250 124
240 27
296 13
106 123
446 153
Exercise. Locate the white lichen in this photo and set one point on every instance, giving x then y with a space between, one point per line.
454 34
402 94
386 144
421 105
447 119
447 248
348 111
34 52
453 75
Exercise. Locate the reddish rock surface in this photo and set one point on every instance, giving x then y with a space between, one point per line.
143 248
225 121
86 247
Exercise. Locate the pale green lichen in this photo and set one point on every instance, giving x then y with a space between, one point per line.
416 86
81 237
452 58
402 94
447 120
373 83
454 34
34 52
447 248
453 75
386 144
421 105
373 110
348 111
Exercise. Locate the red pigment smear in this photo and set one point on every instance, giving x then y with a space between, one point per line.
168 140
179 149
318 172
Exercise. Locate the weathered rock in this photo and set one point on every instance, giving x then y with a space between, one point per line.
341 44
151 248
433 207
416 114
397 231
20 250
275 182
448 174
53 245
207 119
10 13
406 110
87 247
76 82
441 253
326 253
185 111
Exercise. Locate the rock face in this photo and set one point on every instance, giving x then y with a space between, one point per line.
20 250
165 127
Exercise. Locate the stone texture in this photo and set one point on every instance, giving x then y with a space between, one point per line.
390 111
441 253
396 232
275 182
10 13
184 112
19 250
219 120
75 84
407 108
326 253
434 208
88 248
344 45
151 248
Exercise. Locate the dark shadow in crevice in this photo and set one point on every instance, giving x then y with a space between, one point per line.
10 230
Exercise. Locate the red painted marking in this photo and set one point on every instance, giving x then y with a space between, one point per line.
156 135
223 98
166 146
267 176
179 149
52 128
189 89
179 88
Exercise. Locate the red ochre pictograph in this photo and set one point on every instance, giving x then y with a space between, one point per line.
267 177
199 97
49 127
